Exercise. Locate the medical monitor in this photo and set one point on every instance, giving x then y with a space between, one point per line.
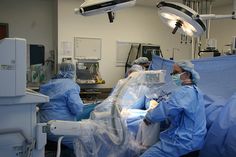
36 54
150 50
12 67
3 30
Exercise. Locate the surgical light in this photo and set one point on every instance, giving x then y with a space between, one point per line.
181 18
185 20
93 7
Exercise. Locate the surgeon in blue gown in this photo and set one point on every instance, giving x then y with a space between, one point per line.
65 102
186 112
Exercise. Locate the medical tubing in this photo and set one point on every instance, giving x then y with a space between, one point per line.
29 149
59 146
162 96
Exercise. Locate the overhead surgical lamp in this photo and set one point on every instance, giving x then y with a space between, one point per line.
184 19
93 7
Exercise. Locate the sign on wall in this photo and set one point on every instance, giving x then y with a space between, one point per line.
87 48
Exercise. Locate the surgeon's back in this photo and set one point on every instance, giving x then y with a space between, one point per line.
64 94
65 102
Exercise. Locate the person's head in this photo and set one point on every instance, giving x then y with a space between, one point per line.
135 68
143 61
67 70
184 73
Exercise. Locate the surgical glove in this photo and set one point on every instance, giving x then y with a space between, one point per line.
153 104
125 112
147 122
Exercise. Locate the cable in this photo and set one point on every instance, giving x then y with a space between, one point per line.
59 146
29 149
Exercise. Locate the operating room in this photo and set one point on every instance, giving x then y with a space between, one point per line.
117 103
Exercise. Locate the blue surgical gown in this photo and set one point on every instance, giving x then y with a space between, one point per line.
65 103
185 109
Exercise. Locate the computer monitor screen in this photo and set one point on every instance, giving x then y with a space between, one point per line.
36 54
150 50
3 30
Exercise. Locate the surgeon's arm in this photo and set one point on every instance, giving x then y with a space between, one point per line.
74 102
164 109
155 115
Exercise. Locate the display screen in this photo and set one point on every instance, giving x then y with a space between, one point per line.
149 51
3 30
37 53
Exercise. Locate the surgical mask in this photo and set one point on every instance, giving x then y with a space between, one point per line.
176 79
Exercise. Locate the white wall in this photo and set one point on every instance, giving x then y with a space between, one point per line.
30 19
223 29
35 20
136 24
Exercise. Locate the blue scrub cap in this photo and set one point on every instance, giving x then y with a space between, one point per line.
67 70
189 66
141 60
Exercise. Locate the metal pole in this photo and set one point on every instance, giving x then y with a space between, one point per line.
209 22
213 16
193 39
198 38
234 11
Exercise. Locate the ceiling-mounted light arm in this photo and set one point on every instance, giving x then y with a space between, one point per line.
214 16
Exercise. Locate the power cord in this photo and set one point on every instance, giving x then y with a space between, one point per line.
59 146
